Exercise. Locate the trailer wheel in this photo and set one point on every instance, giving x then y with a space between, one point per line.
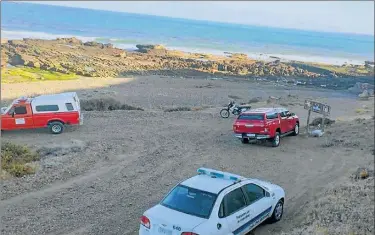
56 127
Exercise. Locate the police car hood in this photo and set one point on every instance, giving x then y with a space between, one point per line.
172 220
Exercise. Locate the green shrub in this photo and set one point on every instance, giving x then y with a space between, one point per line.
15 159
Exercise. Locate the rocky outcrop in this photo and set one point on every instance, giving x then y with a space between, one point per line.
359 88
4 57
98 59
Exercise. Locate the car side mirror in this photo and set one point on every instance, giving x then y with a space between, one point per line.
268 194
12 113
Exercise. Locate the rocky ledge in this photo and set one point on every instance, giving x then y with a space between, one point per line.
104 60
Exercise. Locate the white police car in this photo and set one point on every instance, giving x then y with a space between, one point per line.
214 203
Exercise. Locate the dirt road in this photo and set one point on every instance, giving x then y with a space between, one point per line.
99 178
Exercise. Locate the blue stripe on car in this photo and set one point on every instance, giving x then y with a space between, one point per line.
251 222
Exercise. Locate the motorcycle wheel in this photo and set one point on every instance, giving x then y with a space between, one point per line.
224 113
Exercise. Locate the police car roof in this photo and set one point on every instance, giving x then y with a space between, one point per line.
207 183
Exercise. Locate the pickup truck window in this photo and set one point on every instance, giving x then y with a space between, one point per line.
47 108
284 114
20 110
272 116
251 116
69 106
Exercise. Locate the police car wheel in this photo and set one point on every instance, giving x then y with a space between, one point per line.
277 212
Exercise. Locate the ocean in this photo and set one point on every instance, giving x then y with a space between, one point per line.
125 30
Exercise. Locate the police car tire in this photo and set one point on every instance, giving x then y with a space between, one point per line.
245 140
56 127
276 140
273 218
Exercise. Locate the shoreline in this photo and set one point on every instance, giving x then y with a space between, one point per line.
254 54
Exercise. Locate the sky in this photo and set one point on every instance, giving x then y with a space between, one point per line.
328 16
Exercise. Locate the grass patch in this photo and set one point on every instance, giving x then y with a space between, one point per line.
16 159
105 104
347 70
361 111
26 74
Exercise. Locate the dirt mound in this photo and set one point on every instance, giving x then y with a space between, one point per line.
106 104
344 209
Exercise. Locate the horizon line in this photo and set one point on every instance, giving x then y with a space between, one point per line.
197 20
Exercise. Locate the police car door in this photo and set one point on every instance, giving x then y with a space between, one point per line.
236 211
260 204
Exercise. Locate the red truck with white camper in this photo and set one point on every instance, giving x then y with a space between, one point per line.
266 123
45 111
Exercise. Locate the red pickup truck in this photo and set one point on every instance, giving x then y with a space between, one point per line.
52 111
266 123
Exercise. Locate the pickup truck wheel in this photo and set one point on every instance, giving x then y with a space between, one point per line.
276 140
277 212
245 140
56 127
296 129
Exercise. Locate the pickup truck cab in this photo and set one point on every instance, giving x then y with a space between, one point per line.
266 123
45 111
214 203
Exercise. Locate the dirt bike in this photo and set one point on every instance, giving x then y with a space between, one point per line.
234 109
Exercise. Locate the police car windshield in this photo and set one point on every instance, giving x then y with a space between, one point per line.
190 201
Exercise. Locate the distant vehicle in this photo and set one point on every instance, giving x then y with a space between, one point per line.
45 111
266 123
234 109
214 203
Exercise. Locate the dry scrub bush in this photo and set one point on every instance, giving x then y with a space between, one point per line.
177 109
15 159
234 97
339 142
105 104
255 100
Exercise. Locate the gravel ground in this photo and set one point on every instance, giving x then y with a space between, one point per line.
100 177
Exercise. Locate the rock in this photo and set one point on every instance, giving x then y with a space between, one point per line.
122 54
317 133
71 40
361 87
108 45
34 64
364 95
239 56
363 173
147 48
91 44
